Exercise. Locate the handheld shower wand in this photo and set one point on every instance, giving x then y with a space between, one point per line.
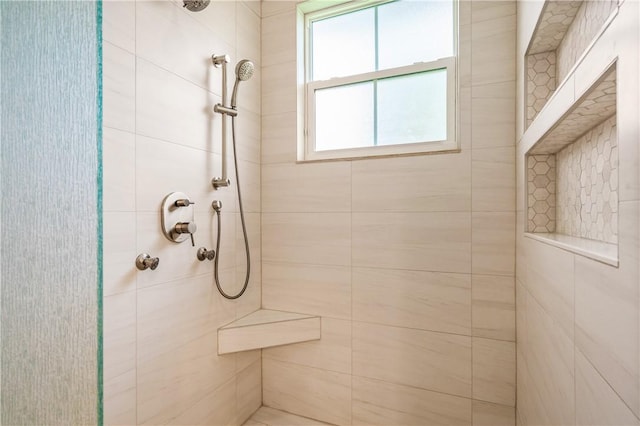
244 71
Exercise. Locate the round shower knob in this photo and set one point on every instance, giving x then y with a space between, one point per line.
144 262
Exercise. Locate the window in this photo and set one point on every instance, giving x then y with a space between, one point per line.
380 79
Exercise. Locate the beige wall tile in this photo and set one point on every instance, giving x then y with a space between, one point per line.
596 402
279 138
493 187
169 382
494 371
493 243
313 187
274 7
219 17
119 24
119 88
174 42
306 391
278 43
381 403
246 358
181 379
252 298
120 399
119 246
119 178
280 89
550 369
181 112
493 45
248 140
215 408
418 183
249 391
434 361
488 10
119 334
311 238
549 277
488 414
494 307
413 299
171 315
164 167
249 45
332 352
418 241
250 181
312 289
606 312
493 122
501 90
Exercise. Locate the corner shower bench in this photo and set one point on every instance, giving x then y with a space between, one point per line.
265 328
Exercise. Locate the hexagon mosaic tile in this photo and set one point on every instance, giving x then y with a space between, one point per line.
563 33
556 18
541 72
597 105
541 184
587 22
587 185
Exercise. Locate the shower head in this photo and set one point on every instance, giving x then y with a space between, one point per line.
244 71
195 5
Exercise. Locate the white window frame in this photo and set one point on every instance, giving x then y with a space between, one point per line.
449 64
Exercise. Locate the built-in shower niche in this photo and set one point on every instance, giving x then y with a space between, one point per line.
563 33
572 176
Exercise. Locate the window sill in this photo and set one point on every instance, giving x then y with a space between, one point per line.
367 153
597 250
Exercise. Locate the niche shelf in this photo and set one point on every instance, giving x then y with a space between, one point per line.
572 176
564 32
265 328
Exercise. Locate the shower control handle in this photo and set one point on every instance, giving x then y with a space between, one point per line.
203 254
144 262
186 228
183 202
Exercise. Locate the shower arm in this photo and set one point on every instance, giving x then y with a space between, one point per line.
221 61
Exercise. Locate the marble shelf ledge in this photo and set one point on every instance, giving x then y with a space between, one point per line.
266 328
597 250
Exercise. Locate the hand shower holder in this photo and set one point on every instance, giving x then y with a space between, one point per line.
221 109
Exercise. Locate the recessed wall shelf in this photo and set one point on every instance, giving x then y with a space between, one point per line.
572 176
266 328
564 32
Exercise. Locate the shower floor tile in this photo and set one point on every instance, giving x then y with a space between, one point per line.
266 416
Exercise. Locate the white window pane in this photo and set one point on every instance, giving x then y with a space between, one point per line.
343 45
412 108
344 117
414 31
